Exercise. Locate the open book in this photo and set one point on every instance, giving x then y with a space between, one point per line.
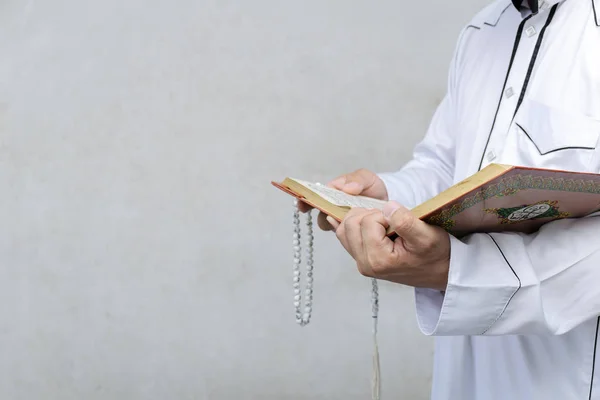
497 198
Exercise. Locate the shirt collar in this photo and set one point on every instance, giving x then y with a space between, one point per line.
532 5
492 14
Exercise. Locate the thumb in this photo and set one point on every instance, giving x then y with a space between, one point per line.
348 184
412 230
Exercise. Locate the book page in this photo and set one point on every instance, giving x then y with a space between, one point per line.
340 198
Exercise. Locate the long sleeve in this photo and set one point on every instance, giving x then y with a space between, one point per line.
512 283
431 169
546 283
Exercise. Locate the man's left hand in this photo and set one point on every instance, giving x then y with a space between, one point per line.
419 256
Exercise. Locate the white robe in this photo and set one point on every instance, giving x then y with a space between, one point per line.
519 318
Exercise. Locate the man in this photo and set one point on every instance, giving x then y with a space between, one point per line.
515 316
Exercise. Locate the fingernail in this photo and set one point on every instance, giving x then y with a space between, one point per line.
390 208
337 183
332 222
353 187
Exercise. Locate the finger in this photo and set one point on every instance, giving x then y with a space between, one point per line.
334 224
326 222
353 230
323 223
353 188
379 248
340 234
373 231
339 182
361 182
353 183
353 237
416 234
342 230
303 207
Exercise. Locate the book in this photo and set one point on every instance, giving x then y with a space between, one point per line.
498 198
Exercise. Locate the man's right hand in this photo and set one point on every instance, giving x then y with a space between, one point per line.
361 182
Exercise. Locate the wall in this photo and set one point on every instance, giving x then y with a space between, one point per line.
143 252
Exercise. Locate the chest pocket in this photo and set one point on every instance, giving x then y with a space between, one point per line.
547 137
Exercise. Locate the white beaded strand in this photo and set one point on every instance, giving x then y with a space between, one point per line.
376 382
303 315
374 303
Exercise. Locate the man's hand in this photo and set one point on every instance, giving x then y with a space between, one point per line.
361 182
419 257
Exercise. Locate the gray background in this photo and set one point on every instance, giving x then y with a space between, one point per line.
143 252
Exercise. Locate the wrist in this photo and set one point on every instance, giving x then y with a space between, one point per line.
440 277
441 268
